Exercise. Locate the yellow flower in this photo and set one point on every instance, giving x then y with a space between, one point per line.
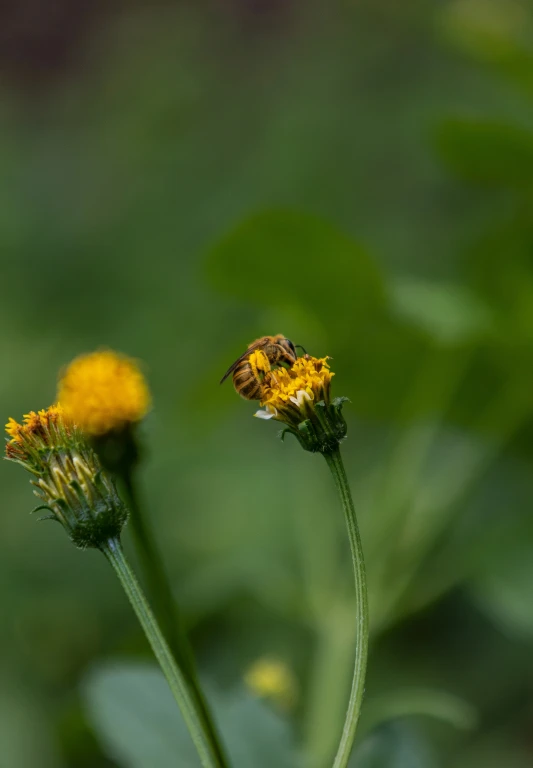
67 476
103 392
35 428
300 397
271 678
288 391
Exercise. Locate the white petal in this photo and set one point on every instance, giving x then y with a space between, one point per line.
301 395
265 414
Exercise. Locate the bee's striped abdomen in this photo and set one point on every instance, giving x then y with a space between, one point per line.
246 383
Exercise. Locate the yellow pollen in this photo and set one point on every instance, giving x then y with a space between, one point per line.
259 363
308 374
103 391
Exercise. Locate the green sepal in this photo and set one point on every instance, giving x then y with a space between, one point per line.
292 431
105 523
62 504
24 465
284 432
339 401
78 490
325 429
89 522
41 506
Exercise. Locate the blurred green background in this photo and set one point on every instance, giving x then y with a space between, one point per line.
179 178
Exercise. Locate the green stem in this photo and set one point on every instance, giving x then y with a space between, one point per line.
336 466
178 682
160 592
157 582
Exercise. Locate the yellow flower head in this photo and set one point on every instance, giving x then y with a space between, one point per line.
288 393
36 429
270 678
103 392
300 397
66 475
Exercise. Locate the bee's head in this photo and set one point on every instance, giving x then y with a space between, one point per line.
288 346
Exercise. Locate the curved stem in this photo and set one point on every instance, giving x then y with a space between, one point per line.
157 582
178 682
336 466
166 610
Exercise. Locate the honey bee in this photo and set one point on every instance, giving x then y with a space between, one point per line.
247 378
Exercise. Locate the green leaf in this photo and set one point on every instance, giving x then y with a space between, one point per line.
487 152
286 258
502 588
495 32
412 702
136 717
395 745
298 273
139 724
254 733
450 313
499 747
26 727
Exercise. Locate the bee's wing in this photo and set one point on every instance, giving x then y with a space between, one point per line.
239 359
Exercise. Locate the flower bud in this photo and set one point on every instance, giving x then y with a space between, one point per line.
67 476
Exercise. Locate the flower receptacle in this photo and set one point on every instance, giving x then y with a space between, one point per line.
324 430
